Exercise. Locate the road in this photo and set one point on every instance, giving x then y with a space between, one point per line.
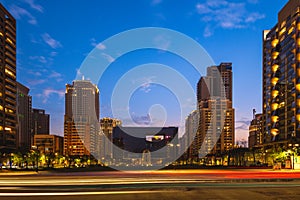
164 184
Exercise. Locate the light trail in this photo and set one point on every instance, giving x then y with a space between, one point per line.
49 182
75 193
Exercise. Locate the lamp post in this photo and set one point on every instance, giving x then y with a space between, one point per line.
10 160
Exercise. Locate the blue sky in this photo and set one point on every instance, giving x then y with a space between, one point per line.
54 37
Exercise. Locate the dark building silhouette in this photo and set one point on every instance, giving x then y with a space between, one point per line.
24 114
8 84
106 149
137 140
40 122
255 131
49 144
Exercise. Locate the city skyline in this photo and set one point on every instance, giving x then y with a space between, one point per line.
62 55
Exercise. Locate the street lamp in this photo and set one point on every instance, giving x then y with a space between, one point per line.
10 160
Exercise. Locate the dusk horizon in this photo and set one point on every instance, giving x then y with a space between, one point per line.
48 60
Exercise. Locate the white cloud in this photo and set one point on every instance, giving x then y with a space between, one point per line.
242 130
162 42
34 6
35 73
19 13
99 46
36 82
145 83
78 73
108 57
48 92
254 17
225 14
141 120
156 2
41 59
53 53
146 87
50 41
55 75
207 31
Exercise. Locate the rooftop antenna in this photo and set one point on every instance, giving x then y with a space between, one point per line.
254 112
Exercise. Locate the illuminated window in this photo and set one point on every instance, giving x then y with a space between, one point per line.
10 73
1 33
274 118
1 107
275 67
275 54
1 128
9 40
298 86
282 31
9 110
298 117
7 129
283 24
291 30
274 80
274 131
274 106
281 104
275 42
275 93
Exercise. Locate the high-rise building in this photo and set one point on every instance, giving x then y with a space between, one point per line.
255 132
216 116
40 122
81 121
24 114
8 84
106 148
191 128
281 78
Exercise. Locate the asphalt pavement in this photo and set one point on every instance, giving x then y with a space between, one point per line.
163 184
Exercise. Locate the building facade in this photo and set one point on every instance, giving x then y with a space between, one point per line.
106 149
145 145
40 122
216 133
47 144
281 78
24 116
255 132
8 84
81 120
191 128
